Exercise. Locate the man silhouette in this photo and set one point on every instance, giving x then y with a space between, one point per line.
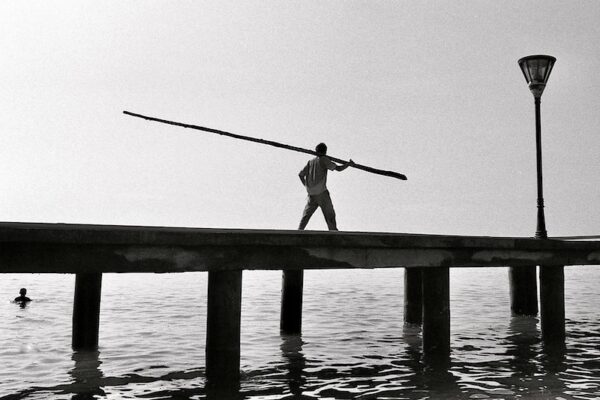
314 177
22 298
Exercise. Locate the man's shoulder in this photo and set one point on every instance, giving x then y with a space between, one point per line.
326 162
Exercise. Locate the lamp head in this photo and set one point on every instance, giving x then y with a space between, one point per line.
536 70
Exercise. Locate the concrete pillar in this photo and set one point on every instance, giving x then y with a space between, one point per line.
523 290
436 313
413 296
86 311
291 301
552 303
223 326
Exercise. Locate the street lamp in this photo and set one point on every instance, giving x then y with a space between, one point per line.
536 70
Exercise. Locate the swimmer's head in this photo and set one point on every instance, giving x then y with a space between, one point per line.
23 291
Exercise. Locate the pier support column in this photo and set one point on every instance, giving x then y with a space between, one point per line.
436 313
523 290
291 301
413 296
86 311
552 303
223 326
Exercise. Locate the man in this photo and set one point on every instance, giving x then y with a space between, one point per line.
314 178
22 298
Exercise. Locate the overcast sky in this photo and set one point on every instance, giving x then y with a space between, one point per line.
430 89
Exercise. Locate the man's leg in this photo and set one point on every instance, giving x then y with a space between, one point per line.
328 211
309 210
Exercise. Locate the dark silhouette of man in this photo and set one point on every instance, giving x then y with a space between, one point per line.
314 179
22 299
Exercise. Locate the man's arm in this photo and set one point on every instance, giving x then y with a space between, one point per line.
302 174
302 179
344 166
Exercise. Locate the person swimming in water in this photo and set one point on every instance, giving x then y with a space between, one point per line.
22 299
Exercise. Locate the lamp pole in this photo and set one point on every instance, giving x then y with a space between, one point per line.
540 231
536 70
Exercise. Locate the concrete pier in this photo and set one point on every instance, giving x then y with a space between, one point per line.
86 311
91 250
291 301
71 248
223 326
413 296
552 303
436 314
523 290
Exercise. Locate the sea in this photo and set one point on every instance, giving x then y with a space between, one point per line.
354 344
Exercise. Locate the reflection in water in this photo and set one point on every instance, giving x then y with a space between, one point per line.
554 355
523 337
429 374
441 384
525 343
553 361
86 375
214 392
22 304
412 339
291 350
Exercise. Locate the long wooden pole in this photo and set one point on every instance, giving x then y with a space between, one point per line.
267 142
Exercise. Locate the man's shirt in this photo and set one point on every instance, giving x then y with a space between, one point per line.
315 174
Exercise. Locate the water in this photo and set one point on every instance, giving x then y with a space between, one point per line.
354 345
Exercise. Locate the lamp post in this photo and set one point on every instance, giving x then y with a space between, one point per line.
523 285
536 70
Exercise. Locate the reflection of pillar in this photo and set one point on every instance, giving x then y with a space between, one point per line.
523 290
217 391
552 303
86 311
554 364
86 375
223 326
291 350
291 301
523 335
411 339
436 313
413 296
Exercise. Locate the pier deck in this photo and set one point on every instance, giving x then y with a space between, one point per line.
73 248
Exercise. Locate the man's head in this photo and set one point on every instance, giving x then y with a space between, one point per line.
23 292
321 149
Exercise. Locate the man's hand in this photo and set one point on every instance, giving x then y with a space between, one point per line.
302 179
344 166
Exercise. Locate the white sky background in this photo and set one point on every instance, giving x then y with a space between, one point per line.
431 89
